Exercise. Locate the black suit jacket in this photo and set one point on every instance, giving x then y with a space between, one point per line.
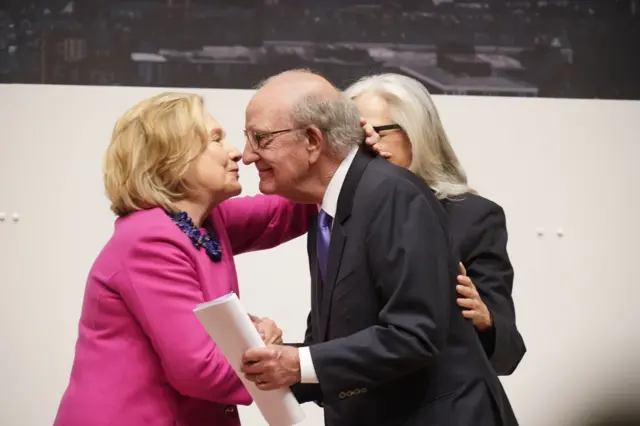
479 233
388 343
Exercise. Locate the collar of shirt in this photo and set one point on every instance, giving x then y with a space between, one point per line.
331 195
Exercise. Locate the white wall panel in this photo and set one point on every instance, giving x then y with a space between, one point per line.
551 164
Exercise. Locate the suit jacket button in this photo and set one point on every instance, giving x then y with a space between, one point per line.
230 410
342 395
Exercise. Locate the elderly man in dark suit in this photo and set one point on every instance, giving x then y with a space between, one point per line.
385 344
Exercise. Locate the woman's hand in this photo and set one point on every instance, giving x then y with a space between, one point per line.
269 331
373 139
474 307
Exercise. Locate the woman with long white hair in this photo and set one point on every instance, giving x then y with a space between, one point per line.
411 135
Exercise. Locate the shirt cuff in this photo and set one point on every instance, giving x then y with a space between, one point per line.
307 371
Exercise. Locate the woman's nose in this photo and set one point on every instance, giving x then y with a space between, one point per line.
235 155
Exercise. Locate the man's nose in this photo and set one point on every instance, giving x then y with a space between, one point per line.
249 155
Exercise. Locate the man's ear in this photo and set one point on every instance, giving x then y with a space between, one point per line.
315 142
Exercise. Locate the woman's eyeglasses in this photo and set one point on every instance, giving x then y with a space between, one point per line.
379 129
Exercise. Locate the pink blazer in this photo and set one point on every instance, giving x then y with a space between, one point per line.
142 357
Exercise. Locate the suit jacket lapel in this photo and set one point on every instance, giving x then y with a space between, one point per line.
339 234
338 240
316 280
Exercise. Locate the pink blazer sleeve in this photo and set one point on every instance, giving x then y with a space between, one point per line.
160 288
264 221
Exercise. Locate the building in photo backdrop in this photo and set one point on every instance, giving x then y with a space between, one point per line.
542 48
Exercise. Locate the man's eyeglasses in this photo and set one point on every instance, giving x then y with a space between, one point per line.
379 129
256 140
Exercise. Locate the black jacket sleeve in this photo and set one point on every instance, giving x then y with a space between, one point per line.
484 251
306 392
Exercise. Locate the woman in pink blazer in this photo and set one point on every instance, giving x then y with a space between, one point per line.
142 358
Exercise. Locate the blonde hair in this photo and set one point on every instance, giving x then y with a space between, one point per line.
152 147
410 104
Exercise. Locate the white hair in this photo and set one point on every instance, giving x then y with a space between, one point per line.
411 107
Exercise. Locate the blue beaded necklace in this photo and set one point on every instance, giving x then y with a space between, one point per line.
209 241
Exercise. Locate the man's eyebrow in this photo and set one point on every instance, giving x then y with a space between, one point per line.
257 128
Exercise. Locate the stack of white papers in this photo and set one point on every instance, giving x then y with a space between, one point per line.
231 329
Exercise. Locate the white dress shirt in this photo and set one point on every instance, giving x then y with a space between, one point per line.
330 206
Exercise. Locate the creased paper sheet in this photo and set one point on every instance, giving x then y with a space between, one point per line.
231 329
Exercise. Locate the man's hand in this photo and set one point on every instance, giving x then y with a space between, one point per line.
272 367
269 331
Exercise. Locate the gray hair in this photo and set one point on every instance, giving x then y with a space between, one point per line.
337 118
411 106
